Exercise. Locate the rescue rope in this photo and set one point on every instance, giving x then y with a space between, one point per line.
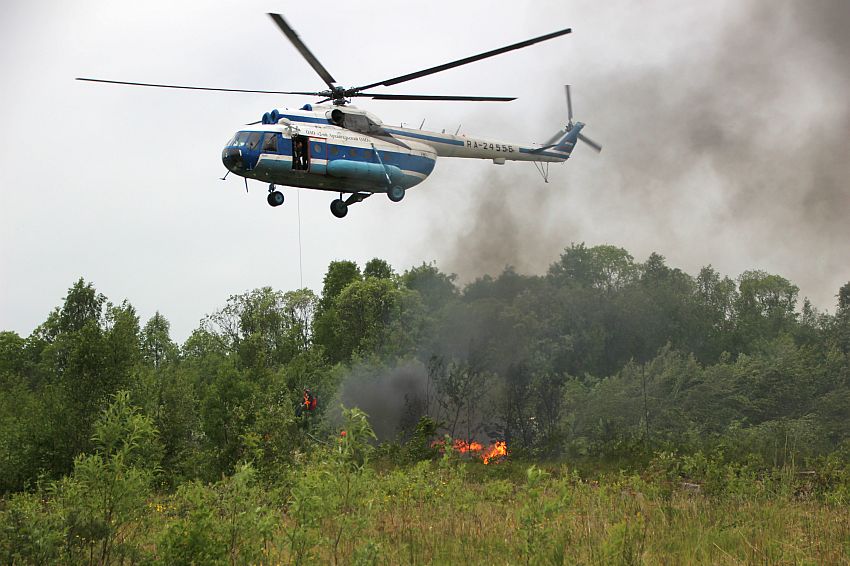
300 265
316 439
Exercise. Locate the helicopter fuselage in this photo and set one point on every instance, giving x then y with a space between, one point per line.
313 148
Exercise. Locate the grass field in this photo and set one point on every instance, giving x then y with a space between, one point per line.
333 505
513 513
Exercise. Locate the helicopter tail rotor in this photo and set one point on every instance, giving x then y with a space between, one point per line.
562 137
570 125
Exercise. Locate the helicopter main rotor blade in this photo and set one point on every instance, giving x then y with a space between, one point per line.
299 45
464 61
195 87
590 142
435 97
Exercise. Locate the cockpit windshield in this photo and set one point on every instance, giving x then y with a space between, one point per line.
246 139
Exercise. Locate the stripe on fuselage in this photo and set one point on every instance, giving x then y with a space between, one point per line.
413 162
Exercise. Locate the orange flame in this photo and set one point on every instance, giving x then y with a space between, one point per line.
489 455
462 446
496 451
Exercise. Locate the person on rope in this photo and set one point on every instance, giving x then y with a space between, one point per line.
308 403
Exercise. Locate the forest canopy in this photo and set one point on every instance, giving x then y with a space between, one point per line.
601 357
351 426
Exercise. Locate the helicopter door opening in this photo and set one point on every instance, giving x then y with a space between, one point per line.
300 153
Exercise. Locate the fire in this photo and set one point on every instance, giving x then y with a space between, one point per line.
498 450
488 455
463 447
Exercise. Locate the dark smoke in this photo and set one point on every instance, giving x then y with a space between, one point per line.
734 152
392 397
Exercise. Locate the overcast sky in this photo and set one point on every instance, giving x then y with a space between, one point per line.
725 127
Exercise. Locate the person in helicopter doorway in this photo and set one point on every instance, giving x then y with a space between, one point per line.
300 154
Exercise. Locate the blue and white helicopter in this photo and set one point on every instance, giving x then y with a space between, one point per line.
333 146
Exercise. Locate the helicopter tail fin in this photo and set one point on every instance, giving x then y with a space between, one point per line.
564 140
568 142
573 132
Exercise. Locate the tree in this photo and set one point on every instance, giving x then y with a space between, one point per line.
459 388
157 346
300 309
715 315
378 268
83 305
104 498
340 275
263 327
765 306
365 311
12 354
436 288
88 350
607 268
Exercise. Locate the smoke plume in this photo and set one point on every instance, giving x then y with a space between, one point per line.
735 151
392 397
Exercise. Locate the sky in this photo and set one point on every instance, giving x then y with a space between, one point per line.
725 126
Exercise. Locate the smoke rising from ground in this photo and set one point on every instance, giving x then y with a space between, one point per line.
734 150
390 396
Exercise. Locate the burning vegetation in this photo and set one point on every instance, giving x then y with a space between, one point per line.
494 453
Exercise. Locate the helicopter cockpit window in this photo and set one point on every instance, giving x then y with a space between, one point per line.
270 142
239 139
253 139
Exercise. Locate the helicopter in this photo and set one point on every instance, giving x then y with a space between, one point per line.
334 146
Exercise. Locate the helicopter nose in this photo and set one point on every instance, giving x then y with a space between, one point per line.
232 158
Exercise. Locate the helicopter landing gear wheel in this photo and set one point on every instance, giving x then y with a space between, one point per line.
396 193
339 208
275 198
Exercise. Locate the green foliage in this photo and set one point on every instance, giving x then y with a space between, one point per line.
157 348
370 315
377 268
32 530
436 288
229 522
337 488
606 268
722 401
535 520
103 501
419 446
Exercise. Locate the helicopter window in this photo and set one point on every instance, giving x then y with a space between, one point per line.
317 148
239 139
353 152
270 143
253 139
334 151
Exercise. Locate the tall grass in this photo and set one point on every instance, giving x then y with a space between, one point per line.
454 511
